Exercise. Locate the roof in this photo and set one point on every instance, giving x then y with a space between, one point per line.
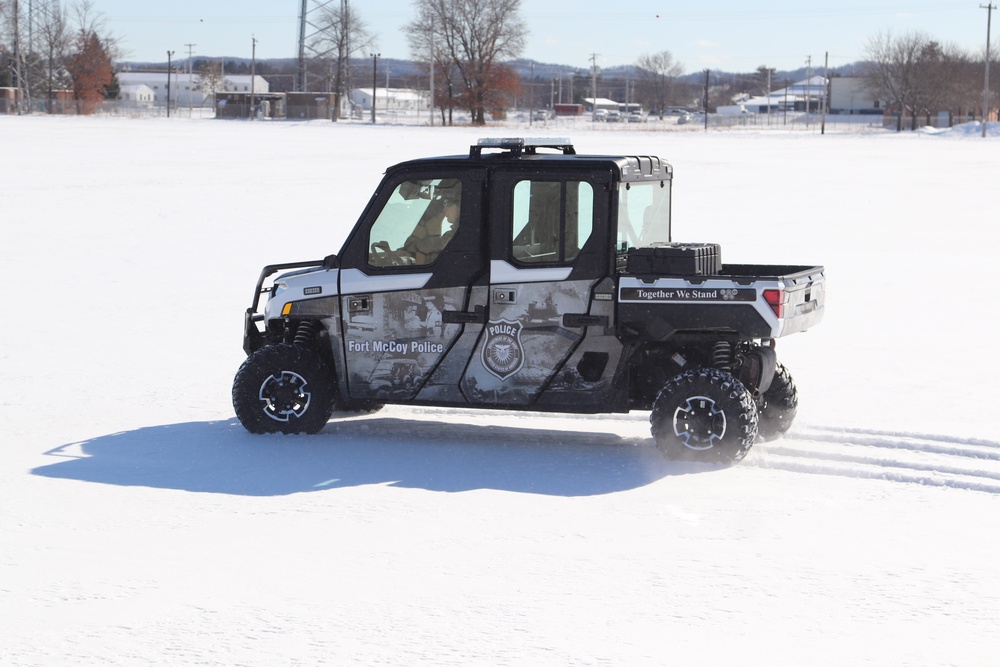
161 77
524 150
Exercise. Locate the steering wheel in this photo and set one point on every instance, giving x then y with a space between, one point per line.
381 250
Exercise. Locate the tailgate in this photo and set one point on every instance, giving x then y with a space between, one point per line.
759 301
797 299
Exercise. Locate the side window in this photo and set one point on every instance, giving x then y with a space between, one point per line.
417 222
643 214
552 220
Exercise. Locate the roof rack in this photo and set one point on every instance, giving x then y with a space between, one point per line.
519 146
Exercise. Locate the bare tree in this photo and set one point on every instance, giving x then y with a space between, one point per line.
15 21
972 82
54 40
341 34
211 78
939 80
659 75
893 69
425 48
473 36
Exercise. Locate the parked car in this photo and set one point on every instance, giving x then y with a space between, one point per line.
636 117
613 116
601 115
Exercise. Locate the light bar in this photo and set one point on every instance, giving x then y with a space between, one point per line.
521 142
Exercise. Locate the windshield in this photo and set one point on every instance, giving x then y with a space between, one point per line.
643 214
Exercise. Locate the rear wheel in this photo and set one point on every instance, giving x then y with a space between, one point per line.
777 406
704 414
283 388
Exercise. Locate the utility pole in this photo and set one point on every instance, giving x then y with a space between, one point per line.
190 80
253 75
300 83
768 92
374 82
19 101
809 76
705 103
826 91
986 86
531 96
593 86
170 54
784 116
431 106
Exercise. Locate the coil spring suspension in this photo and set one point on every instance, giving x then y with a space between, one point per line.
305 332
722 355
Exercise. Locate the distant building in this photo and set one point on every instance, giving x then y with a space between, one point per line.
246 105
8 100
808 93
138 95
592 103
186 90
405 100
850 95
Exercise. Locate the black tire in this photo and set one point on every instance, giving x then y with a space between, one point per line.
777 406
283 388
706 415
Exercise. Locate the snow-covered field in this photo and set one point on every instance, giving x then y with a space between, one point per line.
141 525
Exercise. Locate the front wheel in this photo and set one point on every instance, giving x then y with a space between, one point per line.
704 414
283 388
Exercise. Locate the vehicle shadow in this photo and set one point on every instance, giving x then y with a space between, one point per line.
221 457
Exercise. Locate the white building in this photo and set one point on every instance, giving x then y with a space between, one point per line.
591 103
139 95
390 100
808 92
186 89
850 94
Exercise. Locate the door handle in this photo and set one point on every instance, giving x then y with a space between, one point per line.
502 295
477 316
359 304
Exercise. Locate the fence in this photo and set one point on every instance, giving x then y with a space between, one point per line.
524 122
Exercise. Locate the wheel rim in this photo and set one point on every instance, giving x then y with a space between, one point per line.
699 423
283 396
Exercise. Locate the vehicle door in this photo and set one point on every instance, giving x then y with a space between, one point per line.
549 333
411 315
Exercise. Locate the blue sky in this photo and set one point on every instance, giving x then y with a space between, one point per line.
726 35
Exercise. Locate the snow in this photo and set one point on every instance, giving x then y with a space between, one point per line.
141 525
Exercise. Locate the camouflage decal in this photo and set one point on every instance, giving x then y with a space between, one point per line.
393 340
502 353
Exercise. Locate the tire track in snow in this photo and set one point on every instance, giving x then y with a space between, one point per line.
926 459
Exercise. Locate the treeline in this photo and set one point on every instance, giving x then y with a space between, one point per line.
918 76
469 50
56 47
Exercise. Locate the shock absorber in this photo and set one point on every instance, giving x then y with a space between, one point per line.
722 355
305 332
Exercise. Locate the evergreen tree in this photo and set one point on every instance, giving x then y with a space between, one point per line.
91 72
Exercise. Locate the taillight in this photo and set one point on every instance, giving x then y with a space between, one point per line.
776 299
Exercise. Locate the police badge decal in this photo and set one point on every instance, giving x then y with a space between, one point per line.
502 354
